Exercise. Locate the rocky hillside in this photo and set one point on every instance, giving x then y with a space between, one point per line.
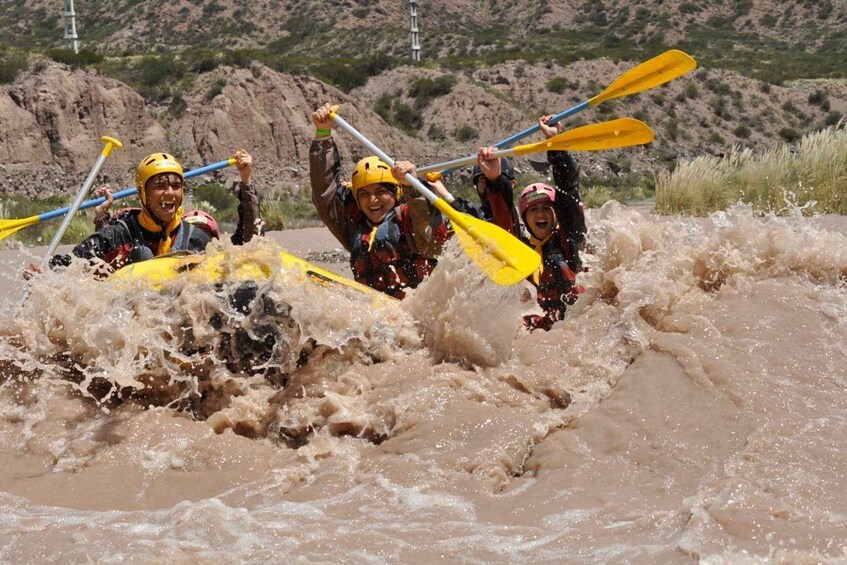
447 26
52 117
51 121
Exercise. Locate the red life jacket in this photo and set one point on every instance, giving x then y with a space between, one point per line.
556 284
382 258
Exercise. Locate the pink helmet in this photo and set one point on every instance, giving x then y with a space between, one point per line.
203 221
533 194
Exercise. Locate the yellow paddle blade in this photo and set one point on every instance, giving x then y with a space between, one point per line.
8 227
623 132
658 70
500 255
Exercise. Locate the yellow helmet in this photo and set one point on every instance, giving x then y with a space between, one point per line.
154 164
372 170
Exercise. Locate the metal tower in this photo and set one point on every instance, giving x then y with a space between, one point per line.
70 26
413 16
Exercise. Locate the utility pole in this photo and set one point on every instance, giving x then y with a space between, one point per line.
413 16
70 26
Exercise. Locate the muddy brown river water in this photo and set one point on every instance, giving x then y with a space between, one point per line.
692 407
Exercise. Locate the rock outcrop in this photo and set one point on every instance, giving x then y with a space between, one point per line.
51 124
52 121
268 113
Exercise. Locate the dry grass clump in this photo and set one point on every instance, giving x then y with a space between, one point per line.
811 176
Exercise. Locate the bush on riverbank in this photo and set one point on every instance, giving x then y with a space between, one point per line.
811 175
41 233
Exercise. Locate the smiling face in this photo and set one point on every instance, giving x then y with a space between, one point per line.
376 201
540 219
164 193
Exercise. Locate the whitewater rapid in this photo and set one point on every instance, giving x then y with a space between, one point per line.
692 407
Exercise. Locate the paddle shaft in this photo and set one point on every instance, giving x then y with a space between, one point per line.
622 132
552 121
51 249
86 186
410 178
129 192
450 166
456 163
654 72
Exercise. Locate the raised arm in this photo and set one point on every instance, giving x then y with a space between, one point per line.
333 202
250 222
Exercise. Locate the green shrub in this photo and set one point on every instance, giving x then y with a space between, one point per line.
768 21
824 10
42 233
789 134
833 118
211 9
344 75
742 131
672 128
742 8
626 187
223 203
808 175
817 97
424 90
789 107
11 63
691 90
290 211
465 132
720 108
152 76
557 85
177 106
349 74
216 88
157 70
201 60
436 133
718 22
238 58
407 117
717 86
84 58
382 106
717 139
274 214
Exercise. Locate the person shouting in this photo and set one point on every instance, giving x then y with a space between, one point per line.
393 239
